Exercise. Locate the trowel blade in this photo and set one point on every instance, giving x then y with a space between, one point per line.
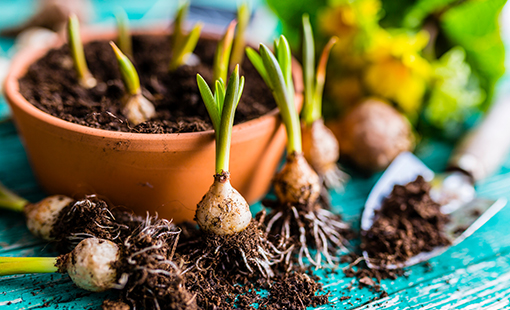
464 221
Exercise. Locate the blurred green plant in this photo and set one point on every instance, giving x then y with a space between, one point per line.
437 61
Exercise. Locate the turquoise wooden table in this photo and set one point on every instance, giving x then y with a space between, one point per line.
472 275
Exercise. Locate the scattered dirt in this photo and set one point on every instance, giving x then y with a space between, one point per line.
51 85
114 305
294 290
409 222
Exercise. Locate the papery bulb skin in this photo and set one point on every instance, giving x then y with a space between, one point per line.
88 81
138 109
320 146
373 133
90 264
297 182
222 210
42 216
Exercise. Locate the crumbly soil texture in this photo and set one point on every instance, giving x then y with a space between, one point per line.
224 282
408 223
92 217
51 85
150 275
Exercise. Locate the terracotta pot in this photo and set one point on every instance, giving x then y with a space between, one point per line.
164 173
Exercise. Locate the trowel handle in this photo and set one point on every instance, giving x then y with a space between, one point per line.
485 148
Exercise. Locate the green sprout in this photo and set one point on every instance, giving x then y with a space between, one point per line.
178 34
137 108
243 19
312 107
297 186
222 56
89 264
276 71
127 71
221 108
75 45
124 39
183 45
11 201
26 265
223 211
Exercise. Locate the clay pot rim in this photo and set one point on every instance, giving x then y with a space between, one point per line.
27 57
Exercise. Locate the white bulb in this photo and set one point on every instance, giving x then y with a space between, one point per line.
90 264
42 216
223 211
138 109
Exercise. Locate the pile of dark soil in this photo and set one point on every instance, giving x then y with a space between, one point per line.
409 222
223 282
51 85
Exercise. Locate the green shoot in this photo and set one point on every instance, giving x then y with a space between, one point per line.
282 49
222 56
183 45
243 19
124 39
308 68
25 265
257 62
312 107
221 107
11 201
180 16
75 45
127 71
277 73
320 79
181 53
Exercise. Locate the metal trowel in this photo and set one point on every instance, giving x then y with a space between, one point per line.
478 155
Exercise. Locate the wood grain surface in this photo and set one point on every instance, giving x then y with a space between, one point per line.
473 275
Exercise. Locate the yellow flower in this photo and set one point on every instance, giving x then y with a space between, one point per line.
396 70
392 79
396 44
347 19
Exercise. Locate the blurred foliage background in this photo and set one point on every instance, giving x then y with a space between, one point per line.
437 61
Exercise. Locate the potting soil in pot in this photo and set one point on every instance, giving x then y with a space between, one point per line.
51 85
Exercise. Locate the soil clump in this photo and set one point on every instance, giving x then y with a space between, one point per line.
91 217
149 274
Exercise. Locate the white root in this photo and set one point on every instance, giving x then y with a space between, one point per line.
90 264
223 211
42 216
138 109
319 229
